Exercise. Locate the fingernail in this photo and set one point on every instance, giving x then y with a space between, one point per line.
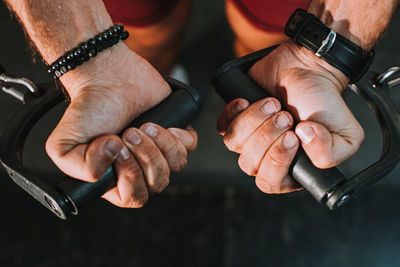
282 121
305 133
269 107
151 130
240 106
124 154
175 132
112 148
133 137
290 140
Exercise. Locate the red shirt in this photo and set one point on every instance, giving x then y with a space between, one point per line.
268 15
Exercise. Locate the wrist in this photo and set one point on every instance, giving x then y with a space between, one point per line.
97 69
306 59
120 76
305 29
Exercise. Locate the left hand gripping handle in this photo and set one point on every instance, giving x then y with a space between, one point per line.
70 195
177 110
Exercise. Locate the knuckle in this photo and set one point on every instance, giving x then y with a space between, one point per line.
135 204
180 159
180 165
53 148
162 179
248 116
275 189
267 187
325 161
50 146
263 185
171 148
132 203
252 119
132 172
277 160
230 144
165 184
93 174
139 200
162 184
195 140
246 166
184 162
149 154
264 134
359 137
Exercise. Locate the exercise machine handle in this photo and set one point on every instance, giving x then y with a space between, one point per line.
231 81
328 186
70 195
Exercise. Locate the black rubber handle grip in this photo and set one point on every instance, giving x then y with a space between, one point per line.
232 83
177 110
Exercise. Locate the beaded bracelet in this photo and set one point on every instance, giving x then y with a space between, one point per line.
87 50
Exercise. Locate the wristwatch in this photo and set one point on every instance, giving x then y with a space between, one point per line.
307 30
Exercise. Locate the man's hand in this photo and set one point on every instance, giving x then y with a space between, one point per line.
310 89
107 93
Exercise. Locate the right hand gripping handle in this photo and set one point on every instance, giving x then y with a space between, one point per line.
231 81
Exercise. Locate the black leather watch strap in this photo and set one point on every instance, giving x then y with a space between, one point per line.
307 30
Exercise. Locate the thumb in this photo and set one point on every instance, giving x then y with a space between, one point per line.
86 162
327 149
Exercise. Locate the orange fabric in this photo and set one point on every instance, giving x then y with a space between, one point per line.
269 15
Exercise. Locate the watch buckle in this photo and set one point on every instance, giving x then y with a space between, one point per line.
326 44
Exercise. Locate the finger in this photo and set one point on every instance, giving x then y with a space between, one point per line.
272 177
248 121
230 112
188 137
131 190
259 142
86 162
154 165
326 149
172 149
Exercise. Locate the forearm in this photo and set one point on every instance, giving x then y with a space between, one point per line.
57 26
361 21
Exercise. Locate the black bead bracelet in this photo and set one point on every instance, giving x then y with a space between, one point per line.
87 50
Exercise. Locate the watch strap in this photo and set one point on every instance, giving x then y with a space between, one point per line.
307 30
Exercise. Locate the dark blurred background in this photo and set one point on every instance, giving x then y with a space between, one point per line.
211 214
